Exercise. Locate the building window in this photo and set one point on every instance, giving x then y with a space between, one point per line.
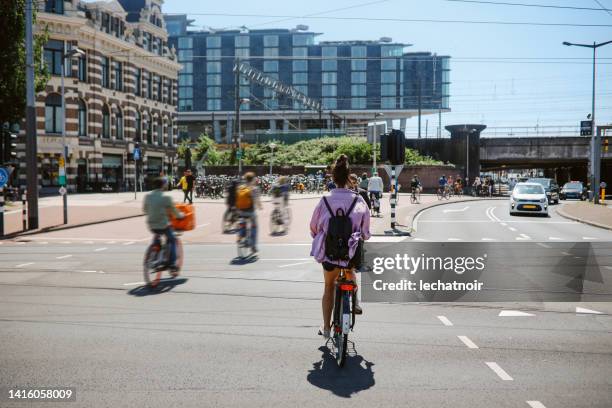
138 80
213 42
213 104
329 64
160 132
301 88
104 63
158 82
391 51
82 118
242 53
245 91
270 40
54 6
82 68
213 55
54 50
186 92
119 125
358 77
242 41
185 80
149 85
185 42
358 103
387 90
149 128
300 52
329 90
359 51
329 103
302 39
358 90
53 114
270 52
388 103
170 133
271 104
213 67
300 78
185 55
105 122
300 66
388 77
118 76
185 105
270 66
359 65
329 77
214 80
138 126
213 92
187 68
388 64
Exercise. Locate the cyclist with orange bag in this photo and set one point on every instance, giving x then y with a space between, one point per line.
157 206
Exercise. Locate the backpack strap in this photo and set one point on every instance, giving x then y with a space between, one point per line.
352 205
328 207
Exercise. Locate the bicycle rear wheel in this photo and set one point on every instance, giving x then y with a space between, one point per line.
151 261
179 258
342 326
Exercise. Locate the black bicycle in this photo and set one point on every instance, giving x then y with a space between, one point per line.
343 316
156 259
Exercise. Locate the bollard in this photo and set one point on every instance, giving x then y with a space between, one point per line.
603 195
1 212
393 197
24 206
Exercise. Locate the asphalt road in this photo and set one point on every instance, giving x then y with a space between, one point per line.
73 312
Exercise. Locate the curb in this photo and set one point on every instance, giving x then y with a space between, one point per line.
67 227
449 202
592 223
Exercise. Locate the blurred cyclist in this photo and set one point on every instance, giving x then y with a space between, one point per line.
247 198
157 206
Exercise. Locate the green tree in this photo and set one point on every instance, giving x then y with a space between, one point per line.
13 65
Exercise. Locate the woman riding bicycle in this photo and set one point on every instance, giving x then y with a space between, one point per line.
342 197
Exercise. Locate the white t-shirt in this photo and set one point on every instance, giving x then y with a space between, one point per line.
375 184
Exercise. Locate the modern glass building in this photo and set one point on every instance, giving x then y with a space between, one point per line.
352 80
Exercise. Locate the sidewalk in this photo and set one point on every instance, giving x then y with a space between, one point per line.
596 215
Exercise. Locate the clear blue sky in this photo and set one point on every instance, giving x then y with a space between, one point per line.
501 93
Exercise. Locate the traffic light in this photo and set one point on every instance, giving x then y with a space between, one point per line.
9 148
605 145
396 147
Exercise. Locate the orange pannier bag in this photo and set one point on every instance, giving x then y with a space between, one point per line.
188 222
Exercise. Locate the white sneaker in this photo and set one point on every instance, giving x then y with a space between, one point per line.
325 333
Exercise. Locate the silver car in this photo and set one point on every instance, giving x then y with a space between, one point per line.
528 198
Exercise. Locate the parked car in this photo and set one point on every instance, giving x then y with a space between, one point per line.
528 198
550 186
573 189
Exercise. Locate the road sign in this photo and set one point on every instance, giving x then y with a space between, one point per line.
136 153
398 169
4 175
62 190
586 127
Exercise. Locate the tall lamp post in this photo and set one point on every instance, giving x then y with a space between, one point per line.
242 101
595 142
374 136
272 147
78 53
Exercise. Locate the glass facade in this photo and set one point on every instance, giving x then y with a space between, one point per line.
342 75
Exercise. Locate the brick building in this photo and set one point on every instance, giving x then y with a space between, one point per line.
123 91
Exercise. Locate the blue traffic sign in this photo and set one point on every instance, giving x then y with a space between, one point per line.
4 175
136 153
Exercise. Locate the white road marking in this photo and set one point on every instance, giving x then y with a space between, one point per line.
543 245
24 264
89 271
566 253
523 237
129 243
202 225
110 242
294 264
455 210
503 224
454 239
133 283
513 313
63 257
535 404
66 242
499 371
586 311
608 267
20 243
386 239
445 320
469 343
554 239
487 239
100 249
495 217
587 238
43 242
512 229
82 239
419 239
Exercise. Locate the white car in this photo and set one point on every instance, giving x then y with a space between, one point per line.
528 198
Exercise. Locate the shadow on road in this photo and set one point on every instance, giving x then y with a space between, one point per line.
243 260
165 285
355 376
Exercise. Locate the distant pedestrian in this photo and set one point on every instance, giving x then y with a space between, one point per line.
187 182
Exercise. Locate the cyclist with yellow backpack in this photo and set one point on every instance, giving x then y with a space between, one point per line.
247 198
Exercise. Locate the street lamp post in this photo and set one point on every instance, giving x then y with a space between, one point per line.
75 52
595 142
272 147
243 101
374 136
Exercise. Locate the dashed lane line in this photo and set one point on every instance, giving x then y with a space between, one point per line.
63 256
523 237
100 249
535 404
469 343
133 283
582 310
588 238
512 229
129 243
499 371
514 313
454 239
487 239
24 264
294 264
543 245
445 320
555 239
